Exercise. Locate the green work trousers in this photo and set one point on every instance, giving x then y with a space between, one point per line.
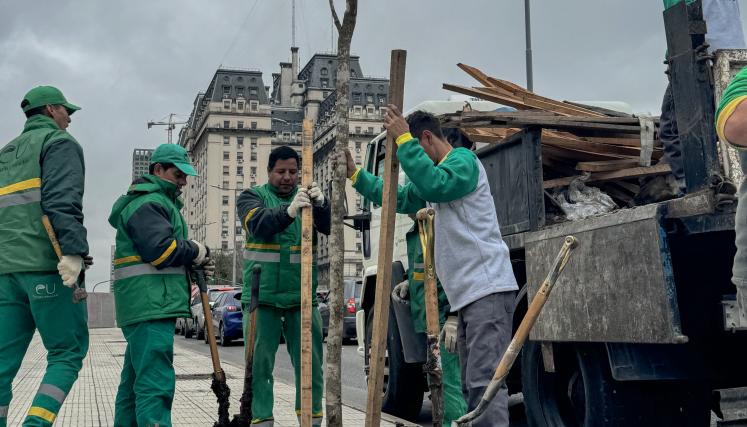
146 388
271 322
454 404
30 301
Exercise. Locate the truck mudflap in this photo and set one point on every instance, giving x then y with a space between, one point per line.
620 286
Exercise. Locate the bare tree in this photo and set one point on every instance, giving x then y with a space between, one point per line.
337 235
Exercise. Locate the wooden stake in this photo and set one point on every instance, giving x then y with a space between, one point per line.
307 230
386 246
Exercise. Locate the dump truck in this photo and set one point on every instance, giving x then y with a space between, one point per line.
640 329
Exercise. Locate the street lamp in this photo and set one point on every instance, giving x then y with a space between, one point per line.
233 227
528 34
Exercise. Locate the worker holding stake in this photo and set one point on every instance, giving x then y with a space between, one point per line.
151 288
42 173
271 217
471 258
413 288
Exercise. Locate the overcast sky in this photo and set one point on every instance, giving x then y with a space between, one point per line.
126 63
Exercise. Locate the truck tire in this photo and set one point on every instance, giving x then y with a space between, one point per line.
403 382
582 393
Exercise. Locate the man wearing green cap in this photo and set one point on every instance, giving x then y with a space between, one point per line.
42 173
151 288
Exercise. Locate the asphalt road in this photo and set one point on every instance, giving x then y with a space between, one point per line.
354 388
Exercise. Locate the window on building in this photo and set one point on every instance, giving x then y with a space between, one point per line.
286 136
225 184
325 82
254 106
353 73
254 171
240 156
254 155
253 91
225 200
225 170
240 105
370 132
226 91
240 92
357 130
369 98
224 245
324 71
226 124
370 110
240 185
253 142
226 155
226 104
240 141
224 217
382 99
356 97
357 109
226 140
224 232
240 124
239 170
254 125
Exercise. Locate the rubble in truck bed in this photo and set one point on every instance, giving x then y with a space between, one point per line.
590 155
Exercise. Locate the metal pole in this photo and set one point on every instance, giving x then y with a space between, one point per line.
528 32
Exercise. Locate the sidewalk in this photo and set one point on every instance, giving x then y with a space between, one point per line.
91 401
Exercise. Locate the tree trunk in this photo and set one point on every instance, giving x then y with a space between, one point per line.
337 235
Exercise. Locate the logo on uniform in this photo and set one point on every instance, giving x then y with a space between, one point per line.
43 290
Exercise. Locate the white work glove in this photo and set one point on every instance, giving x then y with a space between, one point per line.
202 253
209 268
448 335
69 268
300 201
402 289
315 193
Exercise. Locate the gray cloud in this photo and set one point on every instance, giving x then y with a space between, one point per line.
129 62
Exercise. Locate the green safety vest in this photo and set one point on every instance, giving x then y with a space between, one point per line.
141 290
416 285
280 258
26 245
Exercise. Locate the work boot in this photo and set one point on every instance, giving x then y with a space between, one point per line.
657 189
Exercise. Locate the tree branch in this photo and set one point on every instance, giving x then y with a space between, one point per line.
334 16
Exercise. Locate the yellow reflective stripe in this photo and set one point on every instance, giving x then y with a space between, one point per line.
354 177
133 258
405 137
42 413
272 246
726 112
418 276
295 248
248 217
165 253
20 186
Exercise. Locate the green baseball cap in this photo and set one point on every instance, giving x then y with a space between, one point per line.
46 95
174 154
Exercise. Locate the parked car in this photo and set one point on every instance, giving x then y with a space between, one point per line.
184 325
197 322
351 300
227 317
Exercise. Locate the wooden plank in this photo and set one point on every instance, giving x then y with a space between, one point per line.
659 169
606 165
478 75
307 231
386 247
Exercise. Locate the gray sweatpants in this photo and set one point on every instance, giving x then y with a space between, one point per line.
483 336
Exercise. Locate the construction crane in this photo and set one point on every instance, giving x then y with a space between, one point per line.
170 125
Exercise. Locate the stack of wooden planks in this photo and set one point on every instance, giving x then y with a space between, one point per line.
614 147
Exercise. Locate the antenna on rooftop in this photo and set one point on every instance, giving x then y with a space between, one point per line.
293 23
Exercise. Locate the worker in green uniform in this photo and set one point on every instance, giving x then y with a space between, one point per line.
270 214
454 404
42 173
151 288
731 126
